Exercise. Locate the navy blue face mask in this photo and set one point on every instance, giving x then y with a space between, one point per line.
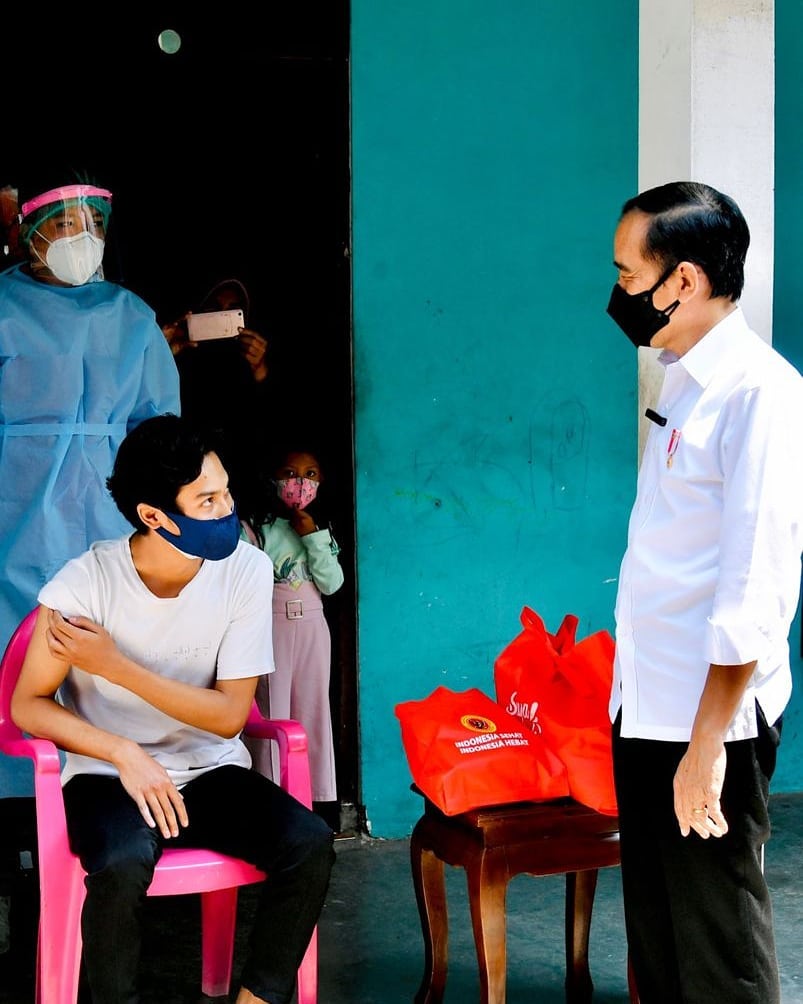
637 315
204 538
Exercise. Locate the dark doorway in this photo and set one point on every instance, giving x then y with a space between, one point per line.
228 157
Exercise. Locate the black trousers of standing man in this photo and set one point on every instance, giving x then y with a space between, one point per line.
697 912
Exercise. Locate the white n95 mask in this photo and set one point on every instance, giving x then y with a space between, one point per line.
76 259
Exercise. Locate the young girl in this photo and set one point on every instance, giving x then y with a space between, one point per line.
289 526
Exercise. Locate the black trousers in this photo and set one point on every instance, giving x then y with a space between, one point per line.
232 810
697 912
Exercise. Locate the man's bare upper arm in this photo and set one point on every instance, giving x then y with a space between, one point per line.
42 674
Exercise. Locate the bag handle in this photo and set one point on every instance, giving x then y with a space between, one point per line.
564 638
560 647
566 635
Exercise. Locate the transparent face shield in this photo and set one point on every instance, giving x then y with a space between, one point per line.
64 230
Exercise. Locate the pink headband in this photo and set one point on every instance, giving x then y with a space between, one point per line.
60 194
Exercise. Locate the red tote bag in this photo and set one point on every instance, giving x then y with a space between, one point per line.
464 751
559 687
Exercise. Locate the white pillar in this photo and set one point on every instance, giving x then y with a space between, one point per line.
706 113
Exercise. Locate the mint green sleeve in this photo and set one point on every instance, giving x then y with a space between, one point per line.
322 560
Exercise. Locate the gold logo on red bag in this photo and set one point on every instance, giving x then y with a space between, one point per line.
478 723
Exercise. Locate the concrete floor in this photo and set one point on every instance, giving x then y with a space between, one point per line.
370 939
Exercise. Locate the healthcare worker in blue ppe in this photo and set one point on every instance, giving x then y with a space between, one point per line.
82 362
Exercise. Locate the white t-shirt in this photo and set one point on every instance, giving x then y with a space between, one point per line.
712 568
218 627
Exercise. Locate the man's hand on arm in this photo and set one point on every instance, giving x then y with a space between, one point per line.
80 642
701 773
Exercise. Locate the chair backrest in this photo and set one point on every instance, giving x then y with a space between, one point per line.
10 670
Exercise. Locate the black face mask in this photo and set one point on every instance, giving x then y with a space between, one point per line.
636 314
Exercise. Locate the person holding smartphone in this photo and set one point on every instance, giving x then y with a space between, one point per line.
226 295
224 379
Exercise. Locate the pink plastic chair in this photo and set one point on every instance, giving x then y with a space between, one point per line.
215 876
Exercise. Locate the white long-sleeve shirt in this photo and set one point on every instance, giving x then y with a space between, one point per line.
712 569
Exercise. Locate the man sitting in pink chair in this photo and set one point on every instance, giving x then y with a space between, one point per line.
154 643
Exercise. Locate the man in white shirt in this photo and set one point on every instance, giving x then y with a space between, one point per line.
155 643
708 588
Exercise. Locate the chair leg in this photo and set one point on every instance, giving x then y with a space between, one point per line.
580 890
58 954
430 894
631 982
308 973
218 919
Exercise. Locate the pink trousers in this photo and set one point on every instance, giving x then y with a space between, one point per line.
299 687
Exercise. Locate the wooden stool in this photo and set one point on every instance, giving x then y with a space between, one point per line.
493 844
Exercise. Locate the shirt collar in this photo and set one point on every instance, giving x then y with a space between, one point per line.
704 358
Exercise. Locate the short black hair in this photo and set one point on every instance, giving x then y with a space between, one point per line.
154 462
694 222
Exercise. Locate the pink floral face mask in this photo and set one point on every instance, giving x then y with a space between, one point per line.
296 493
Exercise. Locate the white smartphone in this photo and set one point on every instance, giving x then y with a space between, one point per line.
214 324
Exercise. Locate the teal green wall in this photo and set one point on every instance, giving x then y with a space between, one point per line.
788 298
493 145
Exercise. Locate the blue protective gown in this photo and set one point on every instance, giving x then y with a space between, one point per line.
79 367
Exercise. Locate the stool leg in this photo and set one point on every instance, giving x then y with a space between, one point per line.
430 894
487 879
580 889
